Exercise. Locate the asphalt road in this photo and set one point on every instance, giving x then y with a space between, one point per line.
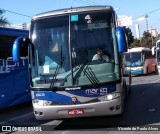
142 109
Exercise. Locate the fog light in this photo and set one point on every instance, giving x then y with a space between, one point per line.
35 112
111 108
40 113
117 107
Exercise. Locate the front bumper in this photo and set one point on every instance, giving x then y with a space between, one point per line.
134 72
111 107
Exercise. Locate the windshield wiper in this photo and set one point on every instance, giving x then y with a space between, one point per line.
61 59
89 74
91 77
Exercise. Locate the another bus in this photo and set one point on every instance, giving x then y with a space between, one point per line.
158 56
65 82
14 80
139 61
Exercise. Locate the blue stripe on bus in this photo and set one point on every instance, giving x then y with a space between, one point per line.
64 97
94 92
54 97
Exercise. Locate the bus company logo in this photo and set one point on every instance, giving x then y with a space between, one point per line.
101 91
73 88
74 99
40 94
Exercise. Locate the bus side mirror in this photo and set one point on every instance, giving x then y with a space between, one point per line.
20 41
121 40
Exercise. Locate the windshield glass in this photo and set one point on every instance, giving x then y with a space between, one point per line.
51 50
66 50
94 51
133 59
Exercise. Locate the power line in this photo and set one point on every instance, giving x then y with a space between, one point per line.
147 13
15 13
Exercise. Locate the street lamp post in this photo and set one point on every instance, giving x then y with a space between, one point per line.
146 16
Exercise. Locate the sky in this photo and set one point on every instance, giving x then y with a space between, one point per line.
133 8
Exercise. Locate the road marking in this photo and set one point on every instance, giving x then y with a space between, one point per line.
52 124
16 118
55 122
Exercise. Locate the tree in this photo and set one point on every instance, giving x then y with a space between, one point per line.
147 40
129 35
3 20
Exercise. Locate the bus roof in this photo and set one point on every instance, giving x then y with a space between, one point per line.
13 32
72 10
139 49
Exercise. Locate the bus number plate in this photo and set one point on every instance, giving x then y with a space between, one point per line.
75 111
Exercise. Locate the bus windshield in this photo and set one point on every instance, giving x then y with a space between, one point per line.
64 48
133 59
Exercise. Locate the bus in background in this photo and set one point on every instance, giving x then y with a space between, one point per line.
158 56
14 81
65 81
138 61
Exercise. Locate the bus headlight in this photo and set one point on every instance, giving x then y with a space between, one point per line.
109 97
42 102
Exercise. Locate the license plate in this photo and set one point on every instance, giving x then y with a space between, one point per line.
75 111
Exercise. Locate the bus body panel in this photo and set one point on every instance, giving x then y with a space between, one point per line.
90 103
14 84
83 96
14 78
91 109
150 65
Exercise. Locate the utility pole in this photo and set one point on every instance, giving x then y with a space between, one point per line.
137 31
146 16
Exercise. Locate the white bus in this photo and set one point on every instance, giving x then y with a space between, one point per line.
65 82
139 61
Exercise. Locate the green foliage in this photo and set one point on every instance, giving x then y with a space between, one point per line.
129 35
3 20
147 40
